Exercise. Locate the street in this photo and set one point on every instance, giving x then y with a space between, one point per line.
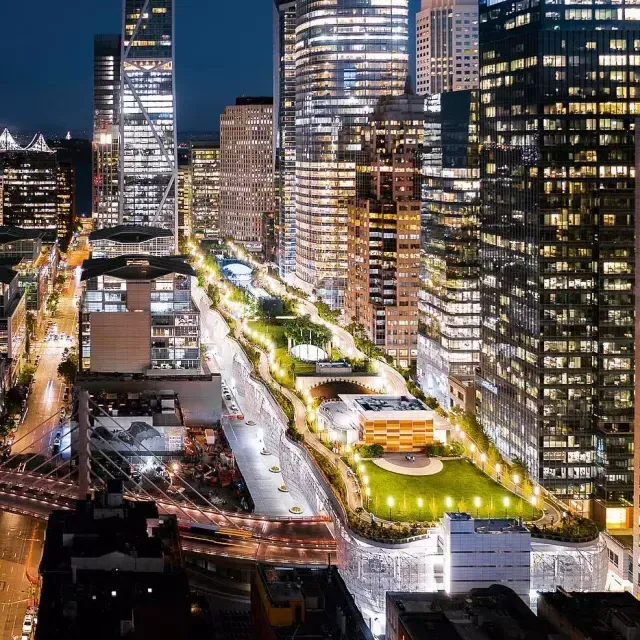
46 397
21 543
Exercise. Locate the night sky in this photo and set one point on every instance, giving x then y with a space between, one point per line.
223 50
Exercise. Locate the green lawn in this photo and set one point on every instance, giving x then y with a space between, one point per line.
274 329
458 480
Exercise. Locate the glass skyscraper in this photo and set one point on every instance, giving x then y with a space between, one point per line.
349 53
106 129
148 163
449 340
284 132
559 102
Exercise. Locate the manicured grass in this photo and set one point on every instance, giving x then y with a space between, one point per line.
275 331
458 480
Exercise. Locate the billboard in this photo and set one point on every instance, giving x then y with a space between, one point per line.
136 436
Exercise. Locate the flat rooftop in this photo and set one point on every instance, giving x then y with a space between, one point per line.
381 404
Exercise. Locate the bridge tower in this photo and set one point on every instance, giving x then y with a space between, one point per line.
84 480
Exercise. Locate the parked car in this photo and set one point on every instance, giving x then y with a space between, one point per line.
27 625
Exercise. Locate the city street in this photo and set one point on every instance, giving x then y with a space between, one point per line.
47 392
21 546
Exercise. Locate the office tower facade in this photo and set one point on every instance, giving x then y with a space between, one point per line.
246 171
30 185
383 230
558 103
137 314
446 46
205 189
148 146
106 130
337 88
66 185
449 340
185 193
284 130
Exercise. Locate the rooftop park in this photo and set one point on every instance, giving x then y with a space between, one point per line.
459 486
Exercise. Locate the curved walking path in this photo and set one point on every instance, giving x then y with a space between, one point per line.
398 463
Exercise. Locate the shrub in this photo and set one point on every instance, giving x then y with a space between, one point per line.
439 450
371 450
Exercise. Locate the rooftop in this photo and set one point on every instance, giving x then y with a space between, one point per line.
244 101
7 275
379 403
598 615
482 614
129 234
13 234
136 267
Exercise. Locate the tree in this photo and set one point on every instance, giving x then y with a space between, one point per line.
68 369
26 375
59 280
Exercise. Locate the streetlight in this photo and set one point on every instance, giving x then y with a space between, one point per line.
365 480
516 479
536 491
476 503
356 458
175 467
420 503
367 492
483 459
505 502
390 505
448 502
534 502
361 468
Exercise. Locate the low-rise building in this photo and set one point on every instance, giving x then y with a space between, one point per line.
141 426
112 568
137 315
483 614
591 616
398 423
13 313
291 603
22 250
479 553
128 239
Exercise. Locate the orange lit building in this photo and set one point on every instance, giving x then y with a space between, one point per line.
383 240
397 423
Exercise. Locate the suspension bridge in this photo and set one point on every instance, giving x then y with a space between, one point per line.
35 480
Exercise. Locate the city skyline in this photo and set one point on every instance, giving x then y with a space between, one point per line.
30 67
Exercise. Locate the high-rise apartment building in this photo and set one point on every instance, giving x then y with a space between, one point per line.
343 66
383 231
246 171
559 99
185 193
447 46
106 129
30 185
449 341
205 189
284 130
148 146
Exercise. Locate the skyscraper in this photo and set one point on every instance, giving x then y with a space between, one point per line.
383 240
246 172
447 46
449 341
558 103
106 129
30 185
148 150
348 55
205 185
185 193
284 131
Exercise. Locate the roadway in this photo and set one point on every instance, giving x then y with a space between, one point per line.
21 546
46 397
